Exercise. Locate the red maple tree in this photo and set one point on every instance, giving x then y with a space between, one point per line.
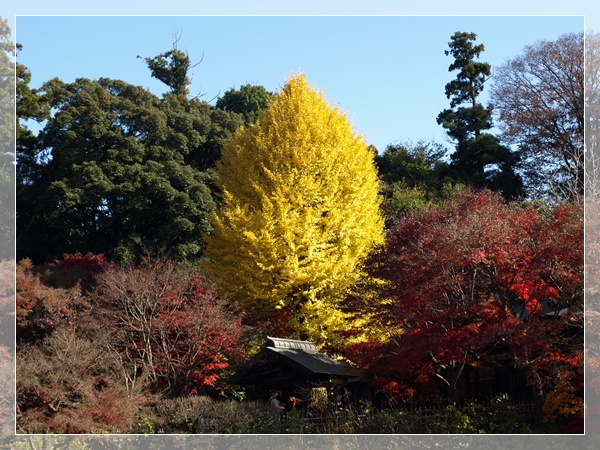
476 279
196 338
170 327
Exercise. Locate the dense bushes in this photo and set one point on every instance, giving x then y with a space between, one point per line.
99 344
197 415
477 281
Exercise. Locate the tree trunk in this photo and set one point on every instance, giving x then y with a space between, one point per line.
538 397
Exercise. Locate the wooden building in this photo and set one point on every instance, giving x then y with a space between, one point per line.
296 369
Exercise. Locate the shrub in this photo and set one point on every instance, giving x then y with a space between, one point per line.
201 414
70 384
170 325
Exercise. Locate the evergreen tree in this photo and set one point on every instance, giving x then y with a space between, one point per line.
117 170
172 69
479 160
300 212
247 101
412 176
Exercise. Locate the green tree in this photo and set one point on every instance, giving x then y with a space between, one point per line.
172 69
417 164
479 159
248 101
117 170
30 106
464 122
413 176
300 212
195 129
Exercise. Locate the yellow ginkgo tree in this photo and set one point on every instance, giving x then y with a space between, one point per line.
299 213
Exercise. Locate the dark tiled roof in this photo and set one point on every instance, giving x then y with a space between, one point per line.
548 309
305 357
283 362
314 363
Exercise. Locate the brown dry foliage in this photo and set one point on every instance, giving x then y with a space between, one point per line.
539 99
68 380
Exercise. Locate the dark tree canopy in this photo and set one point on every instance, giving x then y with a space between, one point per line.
466 122
247 101
414 164
117 170
480 160
412 176
172 69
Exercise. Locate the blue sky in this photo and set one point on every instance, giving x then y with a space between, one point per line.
387 73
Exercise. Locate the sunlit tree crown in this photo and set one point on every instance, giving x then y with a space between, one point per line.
300 211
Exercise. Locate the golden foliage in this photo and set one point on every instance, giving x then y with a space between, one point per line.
300 212
563 401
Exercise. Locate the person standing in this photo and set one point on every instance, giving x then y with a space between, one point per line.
381 400
275 403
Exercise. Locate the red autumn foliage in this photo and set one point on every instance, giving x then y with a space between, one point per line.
198 339
41 305
471 279
62 353
171 326
78 268
68 383
95 358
